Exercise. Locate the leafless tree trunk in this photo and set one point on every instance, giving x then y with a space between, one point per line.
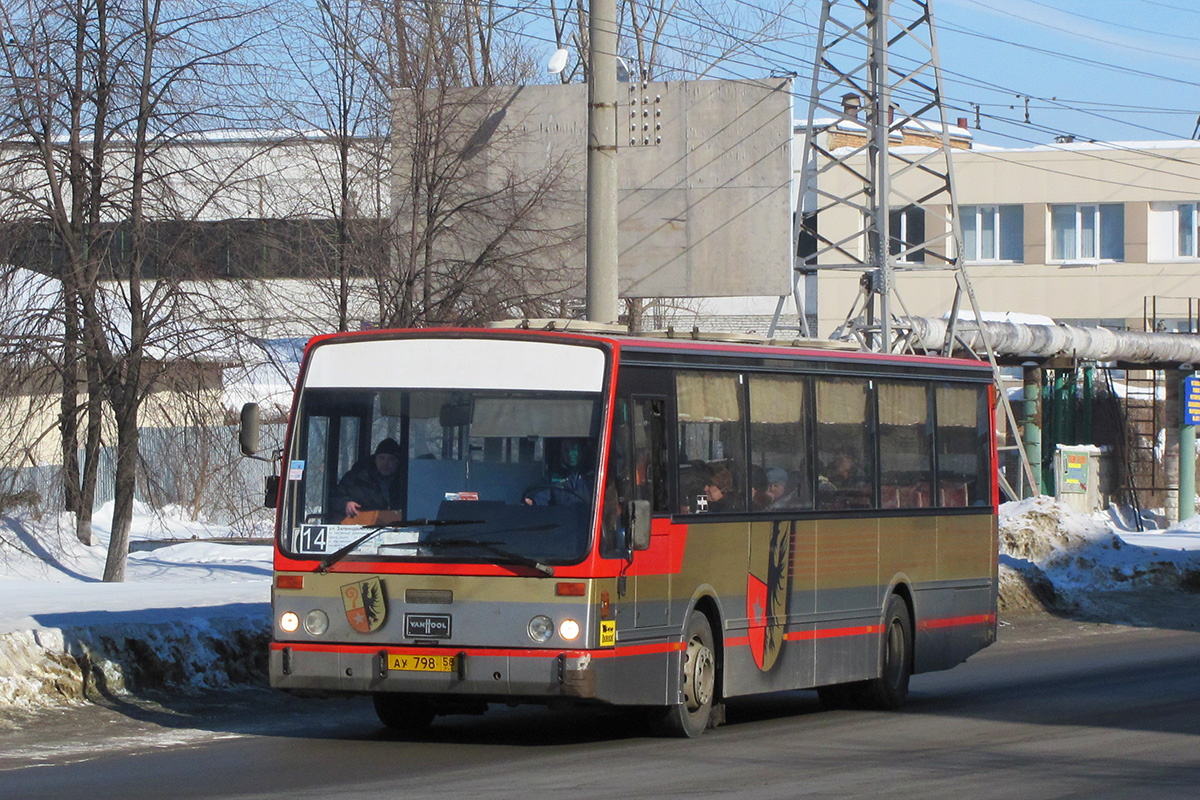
417 248
96 95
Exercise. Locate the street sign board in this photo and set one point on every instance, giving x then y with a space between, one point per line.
1191 401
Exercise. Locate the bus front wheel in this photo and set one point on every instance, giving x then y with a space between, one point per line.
403 713
693 715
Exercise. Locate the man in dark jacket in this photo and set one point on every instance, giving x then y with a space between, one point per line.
370 485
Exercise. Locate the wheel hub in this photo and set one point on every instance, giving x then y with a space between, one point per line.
699 674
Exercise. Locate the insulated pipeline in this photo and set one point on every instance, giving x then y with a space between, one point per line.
1047 341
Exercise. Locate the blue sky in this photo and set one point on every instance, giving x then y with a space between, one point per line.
1126 70
1114 70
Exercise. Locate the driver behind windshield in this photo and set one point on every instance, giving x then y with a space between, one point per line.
372 484
568 483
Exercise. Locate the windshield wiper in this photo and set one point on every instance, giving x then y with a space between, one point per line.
328 561
495 549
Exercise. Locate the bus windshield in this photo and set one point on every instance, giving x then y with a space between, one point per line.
475 475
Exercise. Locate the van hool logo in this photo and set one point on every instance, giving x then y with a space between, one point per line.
365 606
427 626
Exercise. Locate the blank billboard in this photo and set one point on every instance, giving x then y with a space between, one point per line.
705 171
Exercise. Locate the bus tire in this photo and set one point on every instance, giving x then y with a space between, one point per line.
890 689
403 713
699 681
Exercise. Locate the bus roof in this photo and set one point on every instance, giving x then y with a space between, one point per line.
667 342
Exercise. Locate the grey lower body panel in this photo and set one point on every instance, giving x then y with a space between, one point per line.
643 676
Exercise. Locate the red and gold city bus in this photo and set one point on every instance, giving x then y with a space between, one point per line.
515 516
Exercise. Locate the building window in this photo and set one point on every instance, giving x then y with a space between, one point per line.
993 233
1087 232
906 229
1186 238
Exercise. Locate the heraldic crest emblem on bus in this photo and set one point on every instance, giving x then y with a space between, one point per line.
365 605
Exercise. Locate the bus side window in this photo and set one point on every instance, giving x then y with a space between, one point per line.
905 445
963 450
844 452
712 435
780 469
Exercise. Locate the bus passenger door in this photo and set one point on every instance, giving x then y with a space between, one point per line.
639 461
652 584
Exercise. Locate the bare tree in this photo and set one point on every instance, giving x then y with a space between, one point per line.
99 99
473 231
54 69
427 231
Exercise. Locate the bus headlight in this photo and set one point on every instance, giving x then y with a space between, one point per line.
316 622
289 621
569 630
541 628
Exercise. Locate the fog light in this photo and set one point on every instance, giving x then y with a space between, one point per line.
541 628
289 621
569 630
316 622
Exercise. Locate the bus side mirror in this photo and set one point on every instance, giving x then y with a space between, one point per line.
248 435
639 525
271 491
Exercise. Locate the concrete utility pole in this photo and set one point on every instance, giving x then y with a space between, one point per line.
602 162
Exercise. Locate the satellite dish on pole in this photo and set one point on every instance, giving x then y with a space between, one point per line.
558 61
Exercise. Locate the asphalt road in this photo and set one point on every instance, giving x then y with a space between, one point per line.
1055 709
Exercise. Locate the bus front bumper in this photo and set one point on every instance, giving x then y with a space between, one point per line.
641 677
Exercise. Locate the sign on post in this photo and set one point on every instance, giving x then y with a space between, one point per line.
1191 401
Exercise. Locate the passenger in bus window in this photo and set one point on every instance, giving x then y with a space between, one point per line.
843 485
795 486
777 484
842 473
568 483
718 490
372 484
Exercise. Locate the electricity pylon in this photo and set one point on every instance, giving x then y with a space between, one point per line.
884 183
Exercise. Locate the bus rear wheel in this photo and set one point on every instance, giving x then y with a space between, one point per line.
404 713
699 681
890 689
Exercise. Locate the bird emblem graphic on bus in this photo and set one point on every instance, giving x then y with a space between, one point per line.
767 598
365 605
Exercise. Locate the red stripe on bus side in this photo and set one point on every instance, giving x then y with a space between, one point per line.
618 652
832 633
635 650
954 622
864 630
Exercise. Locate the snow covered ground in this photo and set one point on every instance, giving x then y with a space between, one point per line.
195 614
189 615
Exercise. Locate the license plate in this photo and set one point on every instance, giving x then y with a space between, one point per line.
421 663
